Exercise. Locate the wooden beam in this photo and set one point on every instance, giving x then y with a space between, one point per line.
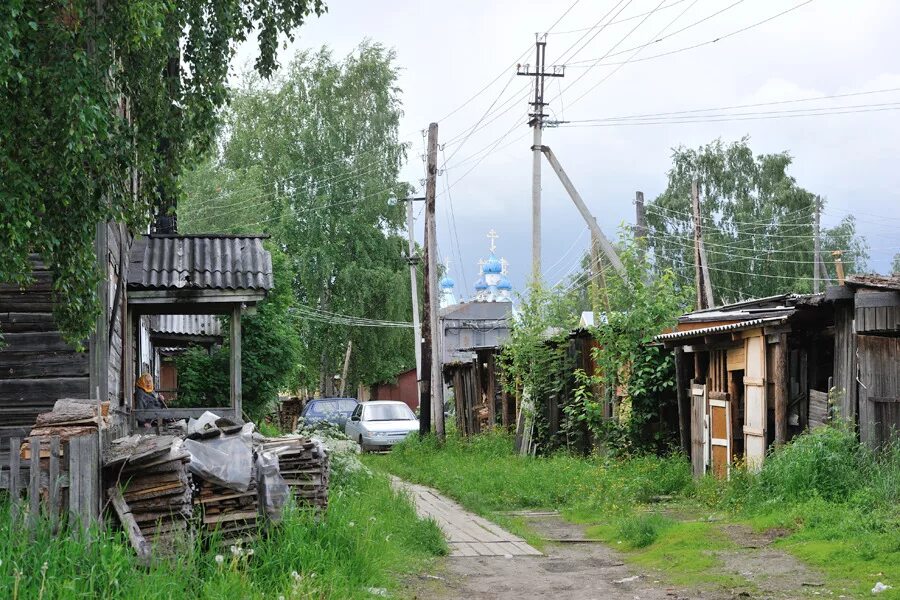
128 322
236 361
780 380
140 545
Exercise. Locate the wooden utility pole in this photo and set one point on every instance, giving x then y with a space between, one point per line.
432 396
701 266
536 121
413 281
346 368
817 248
640 217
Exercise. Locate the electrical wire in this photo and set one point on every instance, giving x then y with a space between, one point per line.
617 21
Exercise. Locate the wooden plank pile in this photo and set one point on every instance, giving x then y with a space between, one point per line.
151 473
304 465
232 514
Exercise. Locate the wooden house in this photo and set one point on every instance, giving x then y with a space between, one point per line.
142 277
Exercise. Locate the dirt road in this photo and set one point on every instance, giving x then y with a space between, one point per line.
586 571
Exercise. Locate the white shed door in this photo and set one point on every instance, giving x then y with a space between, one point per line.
755 402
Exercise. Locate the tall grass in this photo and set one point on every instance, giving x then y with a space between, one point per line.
485 475
368 536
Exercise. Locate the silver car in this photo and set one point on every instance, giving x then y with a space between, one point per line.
380 424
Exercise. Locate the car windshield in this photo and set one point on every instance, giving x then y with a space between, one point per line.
329 407
389 412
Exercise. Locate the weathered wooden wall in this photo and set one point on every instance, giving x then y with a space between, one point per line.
37 366
879 390
845 360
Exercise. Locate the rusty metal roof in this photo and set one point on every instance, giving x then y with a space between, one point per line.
216 262
186 325
736 326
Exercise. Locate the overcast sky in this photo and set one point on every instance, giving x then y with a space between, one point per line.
448 51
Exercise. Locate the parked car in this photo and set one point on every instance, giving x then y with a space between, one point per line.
329 410
380 424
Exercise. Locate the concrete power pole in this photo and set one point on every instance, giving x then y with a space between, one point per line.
817 247
432 389
536 121
701 266
413 281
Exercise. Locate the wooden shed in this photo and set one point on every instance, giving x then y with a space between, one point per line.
867 354
750 374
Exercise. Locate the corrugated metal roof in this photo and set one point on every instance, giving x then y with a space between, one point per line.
199 262
186 324
736 326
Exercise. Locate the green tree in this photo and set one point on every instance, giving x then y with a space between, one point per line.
313 158
895 265
103 103
270 354
641 307
757 223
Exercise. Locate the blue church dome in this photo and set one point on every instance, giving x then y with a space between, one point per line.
446 282
504 284
492 266
481 284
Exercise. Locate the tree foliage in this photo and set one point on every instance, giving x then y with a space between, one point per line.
270 354
313 158
534 359
758 223
641 307
92 130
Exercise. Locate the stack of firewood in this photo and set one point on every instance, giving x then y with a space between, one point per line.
154 486
69 418
233 514
304 466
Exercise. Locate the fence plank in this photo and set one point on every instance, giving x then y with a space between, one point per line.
84 474
54 507
34 482
14 444
74 481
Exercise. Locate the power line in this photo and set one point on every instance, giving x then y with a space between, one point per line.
727 118
659 36
622 20
737 106
712 41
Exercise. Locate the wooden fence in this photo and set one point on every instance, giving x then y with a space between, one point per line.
56 477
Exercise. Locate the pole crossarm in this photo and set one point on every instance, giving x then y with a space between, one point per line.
603 241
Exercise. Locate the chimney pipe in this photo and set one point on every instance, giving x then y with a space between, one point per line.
838 265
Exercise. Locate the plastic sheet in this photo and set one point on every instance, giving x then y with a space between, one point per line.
226 460
274 491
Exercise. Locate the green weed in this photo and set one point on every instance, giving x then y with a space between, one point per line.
641 530
368 536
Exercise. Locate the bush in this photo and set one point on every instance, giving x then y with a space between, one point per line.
639 531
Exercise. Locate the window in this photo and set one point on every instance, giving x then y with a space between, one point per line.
358 411
389 412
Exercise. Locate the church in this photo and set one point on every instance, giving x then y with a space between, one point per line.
483 320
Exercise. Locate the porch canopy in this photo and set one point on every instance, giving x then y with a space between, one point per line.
171 274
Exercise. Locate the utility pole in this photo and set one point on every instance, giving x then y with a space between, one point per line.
536 121
346 368
640 217
701 266
817 247
413 280
432 396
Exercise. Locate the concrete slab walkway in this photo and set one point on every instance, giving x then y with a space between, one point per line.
467 534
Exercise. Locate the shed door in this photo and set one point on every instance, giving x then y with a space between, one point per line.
720 436
755 401
699 430
879 392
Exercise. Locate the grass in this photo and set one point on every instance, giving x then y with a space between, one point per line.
836 504
368 539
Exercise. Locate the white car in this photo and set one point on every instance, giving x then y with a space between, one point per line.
380 424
